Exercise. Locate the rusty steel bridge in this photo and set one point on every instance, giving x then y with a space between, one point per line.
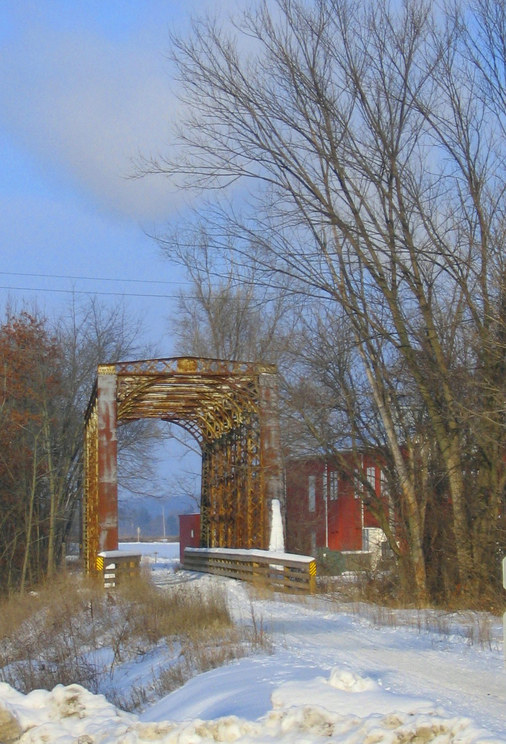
229 407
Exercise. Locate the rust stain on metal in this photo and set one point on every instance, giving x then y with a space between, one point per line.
230 407
107 461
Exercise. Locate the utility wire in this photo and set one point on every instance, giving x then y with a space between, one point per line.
90 292
91 278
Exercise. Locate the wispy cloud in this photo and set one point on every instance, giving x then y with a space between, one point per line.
88 106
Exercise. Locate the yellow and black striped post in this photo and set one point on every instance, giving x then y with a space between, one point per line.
312 577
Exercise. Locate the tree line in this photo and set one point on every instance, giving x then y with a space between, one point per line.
47 372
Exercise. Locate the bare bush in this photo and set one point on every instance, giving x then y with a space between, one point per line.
72 631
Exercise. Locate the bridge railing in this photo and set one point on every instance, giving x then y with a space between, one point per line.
281 571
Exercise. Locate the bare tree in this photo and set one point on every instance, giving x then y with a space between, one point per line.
228 312
48 371
372 135
93 334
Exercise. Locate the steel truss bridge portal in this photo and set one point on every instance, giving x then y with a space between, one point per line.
230 408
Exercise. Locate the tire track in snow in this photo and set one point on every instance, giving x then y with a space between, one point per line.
469 681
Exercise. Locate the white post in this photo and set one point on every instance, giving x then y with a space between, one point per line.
277 541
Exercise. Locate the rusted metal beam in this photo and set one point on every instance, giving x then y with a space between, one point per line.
107 459
230 408
90 506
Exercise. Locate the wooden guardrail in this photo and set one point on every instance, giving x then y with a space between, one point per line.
281 571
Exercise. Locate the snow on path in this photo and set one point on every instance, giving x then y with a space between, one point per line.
332 677
464 679
407 669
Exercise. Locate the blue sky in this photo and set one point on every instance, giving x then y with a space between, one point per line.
85 87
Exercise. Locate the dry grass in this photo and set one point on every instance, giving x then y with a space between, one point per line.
376 596
46 636
198 623
184 610
73 632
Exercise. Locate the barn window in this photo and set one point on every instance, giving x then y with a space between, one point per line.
311 493
371 477
334 485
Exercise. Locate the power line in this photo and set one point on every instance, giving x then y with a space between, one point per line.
90 278
90 292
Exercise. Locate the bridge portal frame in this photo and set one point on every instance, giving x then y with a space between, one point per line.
230 408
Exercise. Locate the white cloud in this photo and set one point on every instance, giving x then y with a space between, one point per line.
89 106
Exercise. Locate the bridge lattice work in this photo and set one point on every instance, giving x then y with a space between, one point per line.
229 407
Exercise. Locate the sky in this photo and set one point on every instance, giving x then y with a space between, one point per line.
338 673
86 88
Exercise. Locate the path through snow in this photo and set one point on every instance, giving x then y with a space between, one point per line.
333 676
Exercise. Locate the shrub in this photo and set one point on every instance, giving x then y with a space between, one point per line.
72 631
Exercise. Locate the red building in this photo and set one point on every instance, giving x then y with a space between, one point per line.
325 505
189 532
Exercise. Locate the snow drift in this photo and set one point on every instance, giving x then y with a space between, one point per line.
72 715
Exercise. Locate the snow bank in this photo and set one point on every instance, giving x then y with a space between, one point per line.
333 677
344 708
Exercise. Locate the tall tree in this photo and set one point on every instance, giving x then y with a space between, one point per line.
374 137
31 382
228 312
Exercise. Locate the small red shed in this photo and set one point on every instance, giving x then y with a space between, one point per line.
189 532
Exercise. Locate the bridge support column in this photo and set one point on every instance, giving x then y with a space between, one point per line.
107 460
270 443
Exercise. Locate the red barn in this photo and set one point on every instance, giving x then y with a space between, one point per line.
325 508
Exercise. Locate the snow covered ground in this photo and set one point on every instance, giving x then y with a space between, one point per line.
333 676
